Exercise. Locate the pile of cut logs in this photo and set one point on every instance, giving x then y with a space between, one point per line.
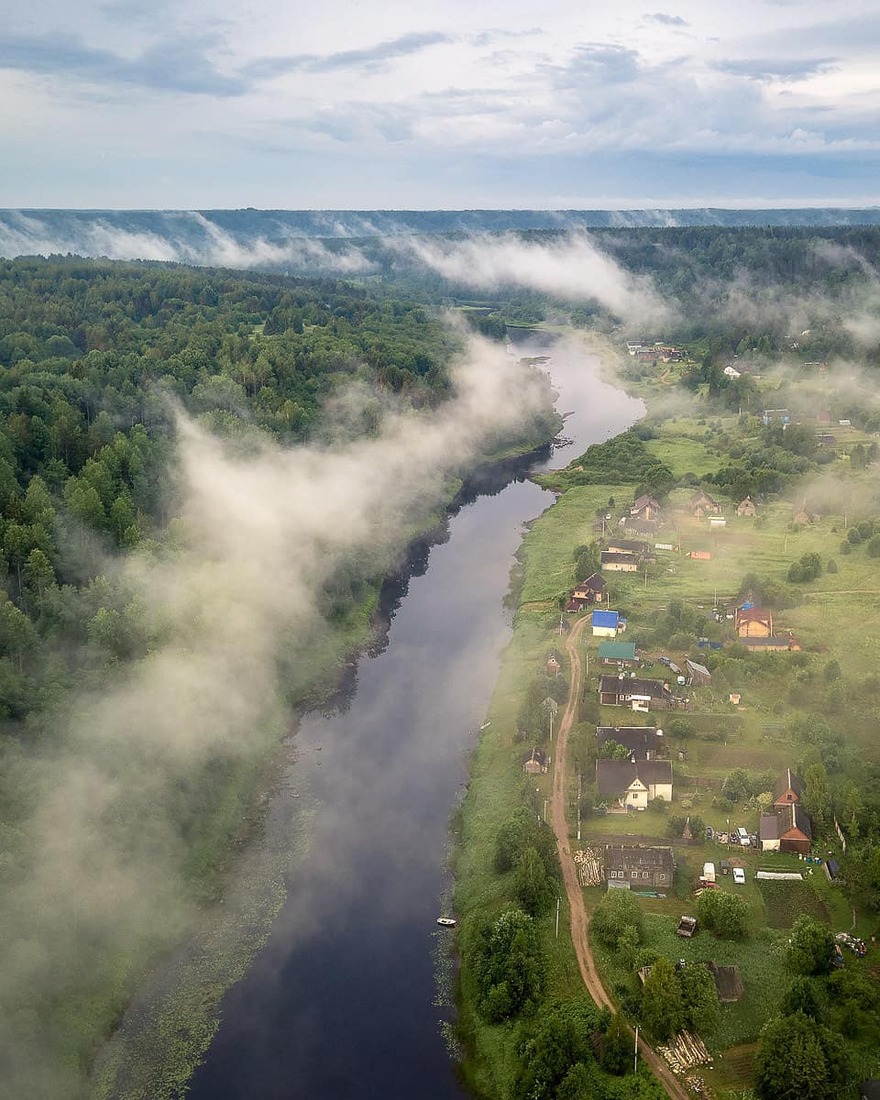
590 867
685 1051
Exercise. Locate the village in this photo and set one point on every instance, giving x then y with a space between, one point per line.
686 784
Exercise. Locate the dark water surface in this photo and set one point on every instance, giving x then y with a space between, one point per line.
340 1005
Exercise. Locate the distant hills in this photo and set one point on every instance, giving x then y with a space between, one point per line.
273 239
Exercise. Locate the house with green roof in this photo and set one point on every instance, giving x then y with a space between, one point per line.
618 653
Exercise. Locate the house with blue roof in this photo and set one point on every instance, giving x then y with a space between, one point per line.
607 624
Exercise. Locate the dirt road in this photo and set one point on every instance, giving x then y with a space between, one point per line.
579 920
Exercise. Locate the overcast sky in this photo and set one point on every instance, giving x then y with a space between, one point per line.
389 104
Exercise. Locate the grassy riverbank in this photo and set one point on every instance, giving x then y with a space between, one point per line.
811 708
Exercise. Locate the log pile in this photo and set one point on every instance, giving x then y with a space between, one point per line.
590 867
685 1051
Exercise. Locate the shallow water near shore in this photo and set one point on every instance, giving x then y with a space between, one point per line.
343 1001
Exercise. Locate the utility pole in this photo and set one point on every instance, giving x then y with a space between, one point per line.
579 805
545 811
551 724
557 918
636 1052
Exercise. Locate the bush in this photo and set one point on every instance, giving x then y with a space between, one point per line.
873 547
831 567
614 916
725 915
508 966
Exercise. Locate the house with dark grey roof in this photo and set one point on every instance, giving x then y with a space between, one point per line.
631 691
638 867
619 563
626 546
632 784
787 829
642 742
646 508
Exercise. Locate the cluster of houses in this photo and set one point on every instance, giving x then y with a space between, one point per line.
650 353
629 784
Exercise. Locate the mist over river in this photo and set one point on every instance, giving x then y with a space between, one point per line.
342 1002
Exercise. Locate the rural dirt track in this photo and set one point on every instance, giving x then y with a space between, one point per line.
579 920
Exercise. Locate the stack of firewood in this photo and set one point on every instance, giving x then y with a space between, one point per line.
590 867
685 1051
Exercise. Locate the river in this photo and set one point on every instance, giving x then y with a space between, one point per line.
342 1002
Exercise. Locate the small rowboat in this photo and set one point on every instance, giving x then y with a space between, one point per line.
446 922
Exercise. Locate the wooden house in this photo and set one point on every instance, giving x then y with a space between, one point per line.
787 789
753 622
702 505
646 509
619 563
632 784
639 867
775 643
553 665
535 763
747 507
787 829
638 694
590 590
626 546
642 742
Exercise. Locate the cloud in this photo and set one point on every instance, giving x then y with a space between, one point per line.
239 603
777 68
574 269
370 58
177 64
666 20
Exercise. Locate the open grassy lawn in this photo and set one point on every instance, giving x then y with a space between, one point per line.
683 454
548 547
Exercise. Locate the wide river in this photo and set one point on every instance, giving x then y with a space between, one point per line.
343 1003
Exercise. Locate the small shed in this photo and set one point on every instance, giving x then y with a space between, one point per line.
698 675
728 983
747 507
535 762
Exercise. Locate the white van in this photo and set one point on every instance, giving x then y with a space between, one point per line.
739 876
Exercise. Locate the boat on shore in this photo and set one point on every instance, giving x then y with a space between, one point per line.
446 922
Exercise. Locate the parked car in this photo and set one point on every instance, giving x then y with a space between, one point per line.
739 876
